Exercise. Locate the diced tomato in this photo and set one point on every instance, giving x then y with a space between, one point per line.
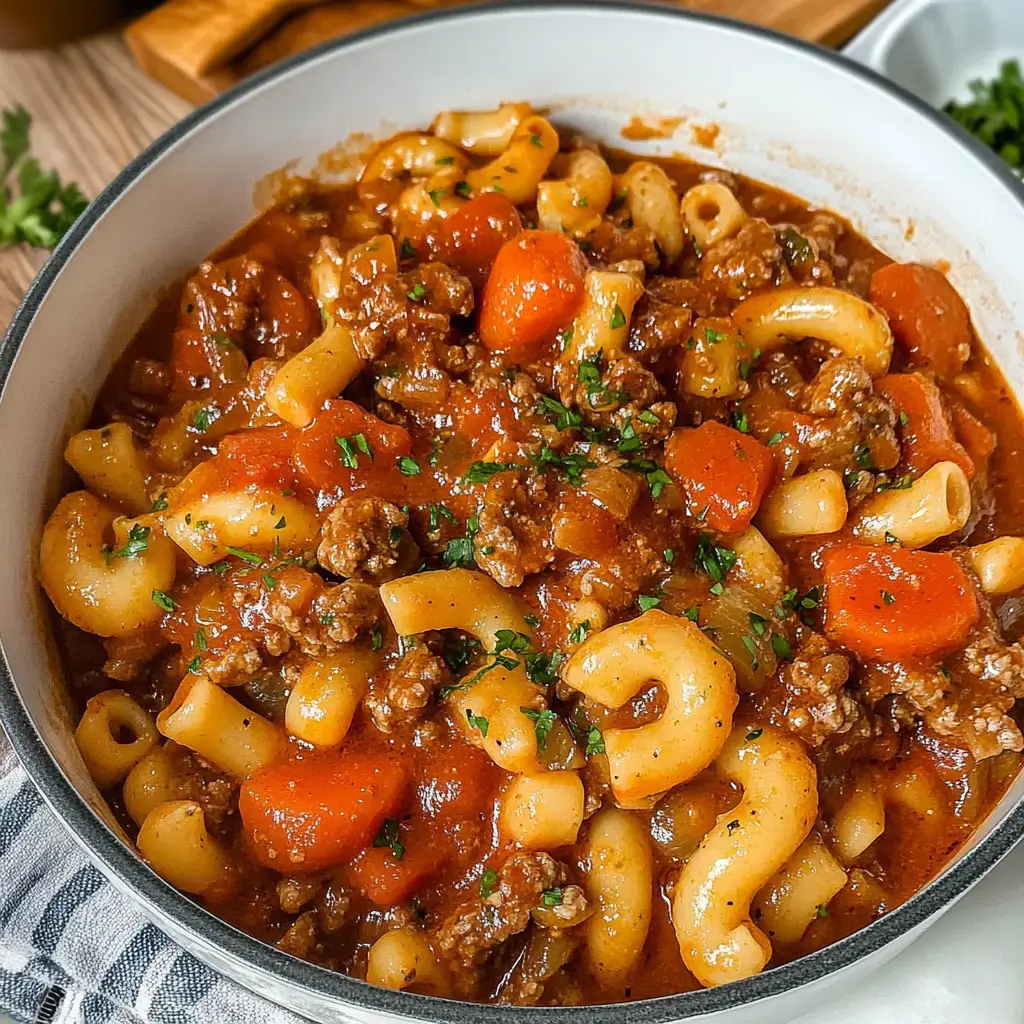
456 782
926 434
979 441
722 471
323 465
535 288
472 236
927 316
314 813
386 879
260 456
896 604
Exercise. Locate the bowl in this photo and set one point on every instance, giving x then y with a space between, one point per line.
935 48
800 118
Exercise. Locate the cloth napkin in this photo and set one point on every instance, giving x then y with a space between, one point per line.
73 950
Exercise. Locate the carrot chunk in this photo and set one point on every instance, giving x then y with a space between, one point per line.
895 604
472 236
926 434
315 813
535 288
722 471
927 316
979 441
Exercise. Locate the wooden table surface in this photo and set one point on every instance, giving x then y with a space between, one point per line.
92 111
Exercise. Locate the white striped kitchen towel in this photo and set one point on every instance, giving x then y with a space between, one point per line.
75 951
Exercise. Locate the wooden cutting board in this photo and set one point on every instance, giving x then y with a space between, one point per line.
200 47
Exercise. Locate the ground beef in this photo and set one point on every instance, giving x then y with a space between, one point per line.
657 327
810 698
295 893
414 307
128 656
851 419
616 579
514 536
332 907
336 617
238 662
613 243
470 934
367 539
625 390
739 266
407 689
968 698
302 939
196 779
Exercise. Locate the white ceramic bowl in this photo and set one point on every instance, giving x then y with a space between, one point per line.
790 114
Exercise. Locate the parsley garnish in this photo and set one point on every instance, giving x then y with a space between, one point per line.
579 633
408 466
712 559
459 552
887 597
565 419
418 292
408 250
245 556
160 505
739 420
618 318
351 447
203 418
776 438
44 211
388 836
138 540
193 665
477 722
481 472
648 601
595 741
376 638
780 645
163 600
488 880
551 897
543 723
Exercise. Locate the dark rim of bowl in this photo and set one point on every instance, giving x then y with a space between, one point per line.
162 900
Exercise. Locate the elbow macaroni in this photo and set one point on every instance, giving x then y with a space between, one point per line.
792 899
324 368
518 169
403 959
103 589
542 812
602 324
711 213
619 880
700 686
151 782
251 520
839 318
999 564
711 905
805 506
470 601
208 720
935 505
326 695
758 563
653 203
859 821
481 132
577 202
111 465
113 736
176 845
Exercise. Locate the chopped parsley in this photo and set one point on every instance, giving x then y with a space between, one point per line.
579 633
418 292
408 250
904 419
863 457
477 722
200 640
481 472
389 836
900 483
160 505
543 723
747 365
408 466
887 597
618 318
551 898
351 447
565 419
245 556
780 645
279 525
204 417
376 638
776 438
163 600
488 880
595 741
754 734
459 551
646 602
462 189
436 511
713 559
531 620
739 420
137 542
194 664
714 337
